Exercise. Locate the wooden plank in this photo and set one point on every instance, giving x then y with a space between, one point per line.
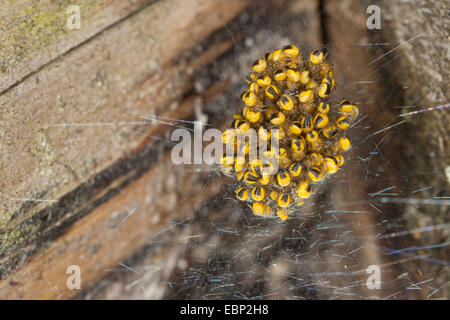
142 207
76 117
421 65
34 34
112 231
348 195
151 202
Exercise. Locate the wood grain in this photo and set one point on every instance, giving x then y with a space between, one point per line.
77 116
72 133
32 35
111 232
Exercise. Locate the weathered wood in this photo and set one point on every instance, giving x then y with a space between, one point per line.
112 231
379 93
77 117
34 34
350 58
422 67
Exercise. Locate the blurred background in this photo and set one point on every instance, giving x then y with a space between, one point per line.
89 98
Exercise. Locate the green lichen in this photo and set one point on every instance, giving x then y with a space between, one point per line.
45 26
12 239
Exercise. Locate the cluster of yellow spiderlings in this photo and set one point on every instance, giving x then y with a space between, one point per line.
288 92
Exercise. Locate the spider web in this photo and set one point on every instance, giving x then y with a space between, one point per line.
369 213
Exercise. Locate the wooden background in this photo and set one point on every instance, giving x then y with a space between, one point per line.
86 180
